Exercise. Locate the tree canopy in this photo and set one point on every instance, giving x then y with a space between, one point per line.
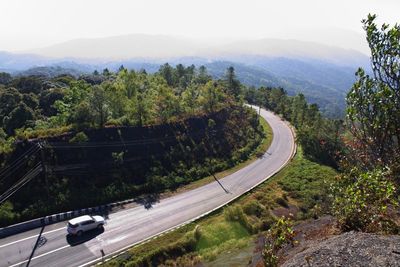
373 104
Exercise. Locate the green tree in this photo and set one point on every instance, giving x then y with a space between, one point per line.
128 81
121 68
74 95
9 100
190 98
82 116
18 118
279 101
167 72
298 111
167 104
232 83
98 104
31 100
211 97
116 99
373 103
203 77
106 72
143 104
28 84
47 99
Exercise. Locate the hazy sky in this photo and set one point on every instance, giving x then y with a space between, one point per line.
28 24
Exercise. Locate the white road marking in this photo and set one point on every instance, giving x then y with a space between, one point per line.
39 256
26 238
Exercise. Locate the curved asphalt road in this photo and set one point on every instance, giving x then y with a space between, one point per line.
130 226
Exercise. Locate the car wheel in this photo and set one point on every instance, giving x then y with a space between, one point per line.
79 233
100 226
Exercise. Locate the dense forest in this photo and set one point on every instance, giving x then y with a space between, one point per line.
111 136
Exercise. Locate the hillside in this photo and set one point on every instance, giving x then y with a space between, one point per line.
305 78
322 83
124 162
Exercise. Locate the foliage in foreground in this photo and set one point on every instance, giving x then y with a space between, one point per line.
280 234
363 201
373 111
368 188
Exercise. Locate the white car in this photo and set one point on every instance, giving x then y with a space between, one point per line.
84 223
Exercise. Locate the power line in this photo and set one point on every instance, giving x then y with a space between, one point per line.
24 180
21 157
15 165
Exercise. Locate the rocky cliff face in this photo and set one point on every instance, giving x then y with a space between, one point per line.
350 249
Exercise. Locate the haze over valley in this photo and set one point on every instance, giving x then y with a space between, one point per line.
323 73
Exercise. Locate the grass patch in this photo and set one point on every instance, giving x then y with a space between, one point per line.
306 182
211 253
300 182
220 232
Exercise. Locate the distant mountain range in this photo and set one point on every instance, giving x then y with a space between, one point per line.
322 73
141 47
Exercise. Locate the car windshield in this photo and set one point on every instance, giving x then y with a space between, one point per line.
72 225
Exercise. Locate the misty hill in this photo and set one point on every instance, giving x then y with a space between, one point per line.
329 96
11 62
139 46
160 47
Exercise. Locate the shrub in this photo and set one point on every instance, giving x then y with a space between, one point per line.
80 137
253 208
361 200
280 234
7 215
236 214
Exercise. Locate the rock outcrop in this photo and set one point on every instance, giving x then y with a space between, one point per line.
350 249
